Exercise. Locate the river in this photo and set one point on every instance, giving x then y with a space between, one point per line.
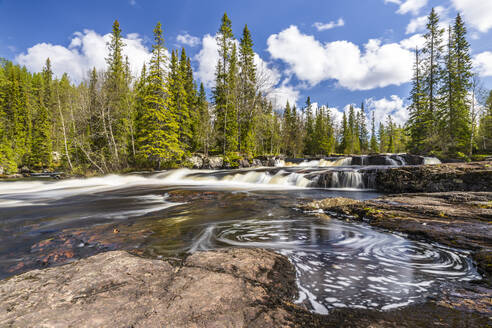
339 263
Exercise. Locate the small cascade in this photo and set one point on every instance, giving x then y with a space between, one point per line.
235 178
391 161
400 159
347 179
279 163
431 160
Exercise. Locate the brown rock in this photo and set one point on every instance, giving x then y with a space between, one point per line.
228 288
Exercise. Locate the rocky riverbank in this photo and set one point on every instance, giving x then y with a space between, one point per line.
225 288
456 219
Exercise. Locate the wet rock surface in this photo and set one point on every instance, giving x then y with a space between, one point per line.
456 219
225 288
475 176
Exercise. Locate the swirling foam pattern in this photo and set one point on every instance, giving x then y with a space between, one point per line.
343 264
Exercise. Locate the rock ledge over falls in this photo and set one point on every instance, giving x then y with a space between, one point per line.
476 176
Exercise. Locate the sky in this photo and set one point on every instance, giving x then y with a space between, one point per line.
338 52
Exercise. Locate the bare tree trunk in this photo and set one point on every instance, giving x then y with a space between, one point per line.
89 158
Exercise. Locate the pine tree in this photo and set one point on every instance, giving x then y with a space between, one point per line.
226 122
247 112
310 136
382 138
417 122
116 88
374 142
363 133
432 75
459 112
159 142
204 127
42 131
484 137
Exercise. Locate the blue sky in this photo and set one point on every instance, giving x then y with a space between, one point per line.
338 52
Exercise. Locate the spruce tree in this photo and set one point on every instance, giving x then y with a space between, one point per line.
159 142
247 111
459 112
432 78
417 124
226 122
374 142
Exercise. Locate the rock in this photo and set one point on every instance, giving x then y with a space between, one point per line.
213 163
456 219
226 288
271 161
2 170
56 156
435 178
243 163
195 161
256 163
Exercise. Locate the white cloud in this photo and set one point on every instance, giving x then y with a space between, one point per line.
417 24
87 49
280 95
411 6
207 61
328 26
477 13
133 2
379 65
188 40
416 40
268 78
483 63
384 107
408 6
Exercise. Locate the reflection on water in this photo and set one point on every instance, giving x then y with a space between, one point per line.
339 264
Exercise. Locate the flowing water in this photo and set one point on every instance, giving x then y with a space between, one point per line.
173 213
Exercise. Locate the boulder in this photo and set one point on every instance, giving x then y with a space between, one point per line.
244 163
195 161
213 163
256 163
225 288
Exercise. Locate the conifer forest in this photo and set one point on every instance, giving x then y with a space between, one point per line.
113 121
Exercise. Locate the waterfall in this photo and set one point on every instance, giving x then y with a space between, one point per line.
431 160
391 161
401 159
347 179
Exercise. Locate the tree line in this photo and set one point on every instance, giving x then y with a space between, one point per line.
114 121
445 91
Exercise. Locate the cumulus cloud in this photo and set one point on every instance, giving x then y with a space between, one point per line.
283 93
483 63
411 6
188 40
383 107
408 6
417 24
416 40
328 26
87 49
477 13
377 65
268 78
